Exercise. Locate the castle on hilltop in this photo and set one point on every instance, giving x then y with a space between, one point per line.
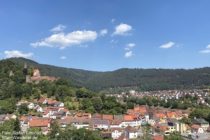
36 76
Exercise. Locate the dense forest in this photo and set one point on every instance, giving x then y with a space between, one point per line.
143 79
13 87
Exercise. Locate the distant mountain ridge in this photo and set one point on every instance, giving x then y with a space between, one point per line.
144 79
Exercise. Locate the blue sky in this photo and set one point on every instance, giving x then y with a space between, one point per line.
106 35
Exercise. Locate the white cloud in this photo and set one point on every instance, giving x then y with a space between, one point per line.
130 46
207 50
128 50
122 29
63 57
58 28
16 53
128 54
167 45
103 32
62 40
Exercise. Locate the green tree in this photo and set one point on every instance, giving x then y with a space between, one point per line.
61 92
23 109
7 106
55 131
87 105
35 133
146 130
174 136
79 134
6 129
97 103
62 82
36 93
16 130
83 93
186 121
26 90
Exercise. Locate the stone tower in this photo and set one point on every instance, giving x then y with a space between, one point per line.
25 69
36 73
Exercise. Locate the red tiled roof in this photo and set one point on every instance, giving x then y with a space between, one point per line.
195 126
140 109
41 100
53 108
83 115
171 114
158 137
163 128
51 101
71 119
107 117
128 117
116 122
98 116
27 118
160 115
23 118
39 122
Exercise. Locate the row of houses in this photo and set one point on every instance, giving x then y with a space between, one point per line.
162 121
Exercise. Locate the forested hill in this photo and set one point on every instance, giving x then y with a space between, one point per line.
145 79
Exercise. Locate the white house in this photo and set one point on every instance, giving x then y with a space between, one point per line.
31 106
100 124
76 122
39 108
197 129
81 125
46 114
116 132
202 123
42 100
147 118
115 125
59 104
151 122
132 123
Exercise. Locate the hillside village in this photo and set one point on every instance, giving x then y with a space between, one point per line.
139 122
201 95
160 122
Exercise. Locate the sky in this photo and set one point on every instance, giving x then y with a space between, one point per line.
105 35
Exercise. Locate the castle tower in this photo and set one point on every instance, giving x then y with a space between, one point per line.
25 69
36 73
25 72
